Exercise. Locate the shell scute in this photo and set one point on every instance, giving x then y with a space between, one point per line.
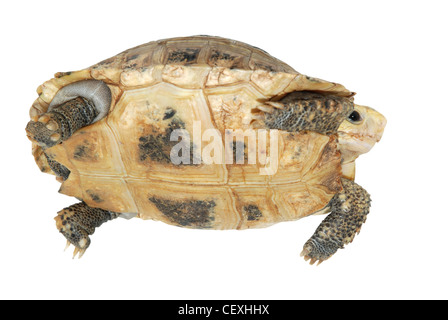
161 200
109 193
193 77
230 57
272 83
256 206
140 118
222 76
93 151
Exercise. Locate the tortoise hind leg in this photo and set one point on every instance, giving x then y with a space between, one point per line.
74 106
60 123
349 211
79 221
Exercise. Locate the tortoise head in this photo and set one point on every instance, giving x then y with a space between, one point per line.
359 132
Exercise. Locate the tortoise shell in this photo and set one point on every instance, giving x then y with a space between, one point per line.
122 163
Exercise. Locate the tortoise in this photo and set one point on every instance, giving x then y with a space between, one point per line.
203 132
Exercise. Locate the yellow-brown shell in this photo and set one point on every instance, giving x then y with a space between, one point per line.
121 163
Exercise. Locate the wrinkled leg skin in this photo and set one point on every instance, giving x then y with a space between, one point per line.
79 221
349 211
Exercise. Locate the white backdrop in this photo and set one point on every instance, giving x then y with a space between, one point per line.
392 53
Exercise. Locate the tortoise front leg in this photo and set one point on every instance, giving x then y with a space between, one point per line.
349 211
79 221
299 111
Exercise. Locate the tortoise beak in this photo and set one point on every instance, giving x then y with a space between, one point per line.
375 123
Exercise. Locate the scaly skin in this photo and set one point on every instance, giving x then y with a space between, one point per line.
79 221
349 211
61 122
321 113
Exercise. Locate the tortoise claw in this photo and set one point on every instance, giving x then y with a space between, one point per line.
305 255
79 252
73 232
316 251
312 260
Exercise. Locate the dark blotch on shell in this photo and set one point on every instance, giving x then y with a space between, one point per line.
85 152
183 55
223 59
158 147
192 213
169 113
253 213
133 57
94 196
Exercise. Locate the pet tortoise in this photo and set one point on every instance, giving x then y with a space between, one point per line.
153 131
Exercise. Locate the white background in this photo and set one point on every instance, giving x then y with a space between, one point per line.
392 53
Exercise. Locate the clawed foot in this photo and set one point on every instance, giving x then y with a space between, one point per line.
44 130
349 211
78 222
73 231
318 250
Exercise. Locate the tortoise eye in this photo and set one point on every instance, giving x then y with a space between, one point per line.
354 117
